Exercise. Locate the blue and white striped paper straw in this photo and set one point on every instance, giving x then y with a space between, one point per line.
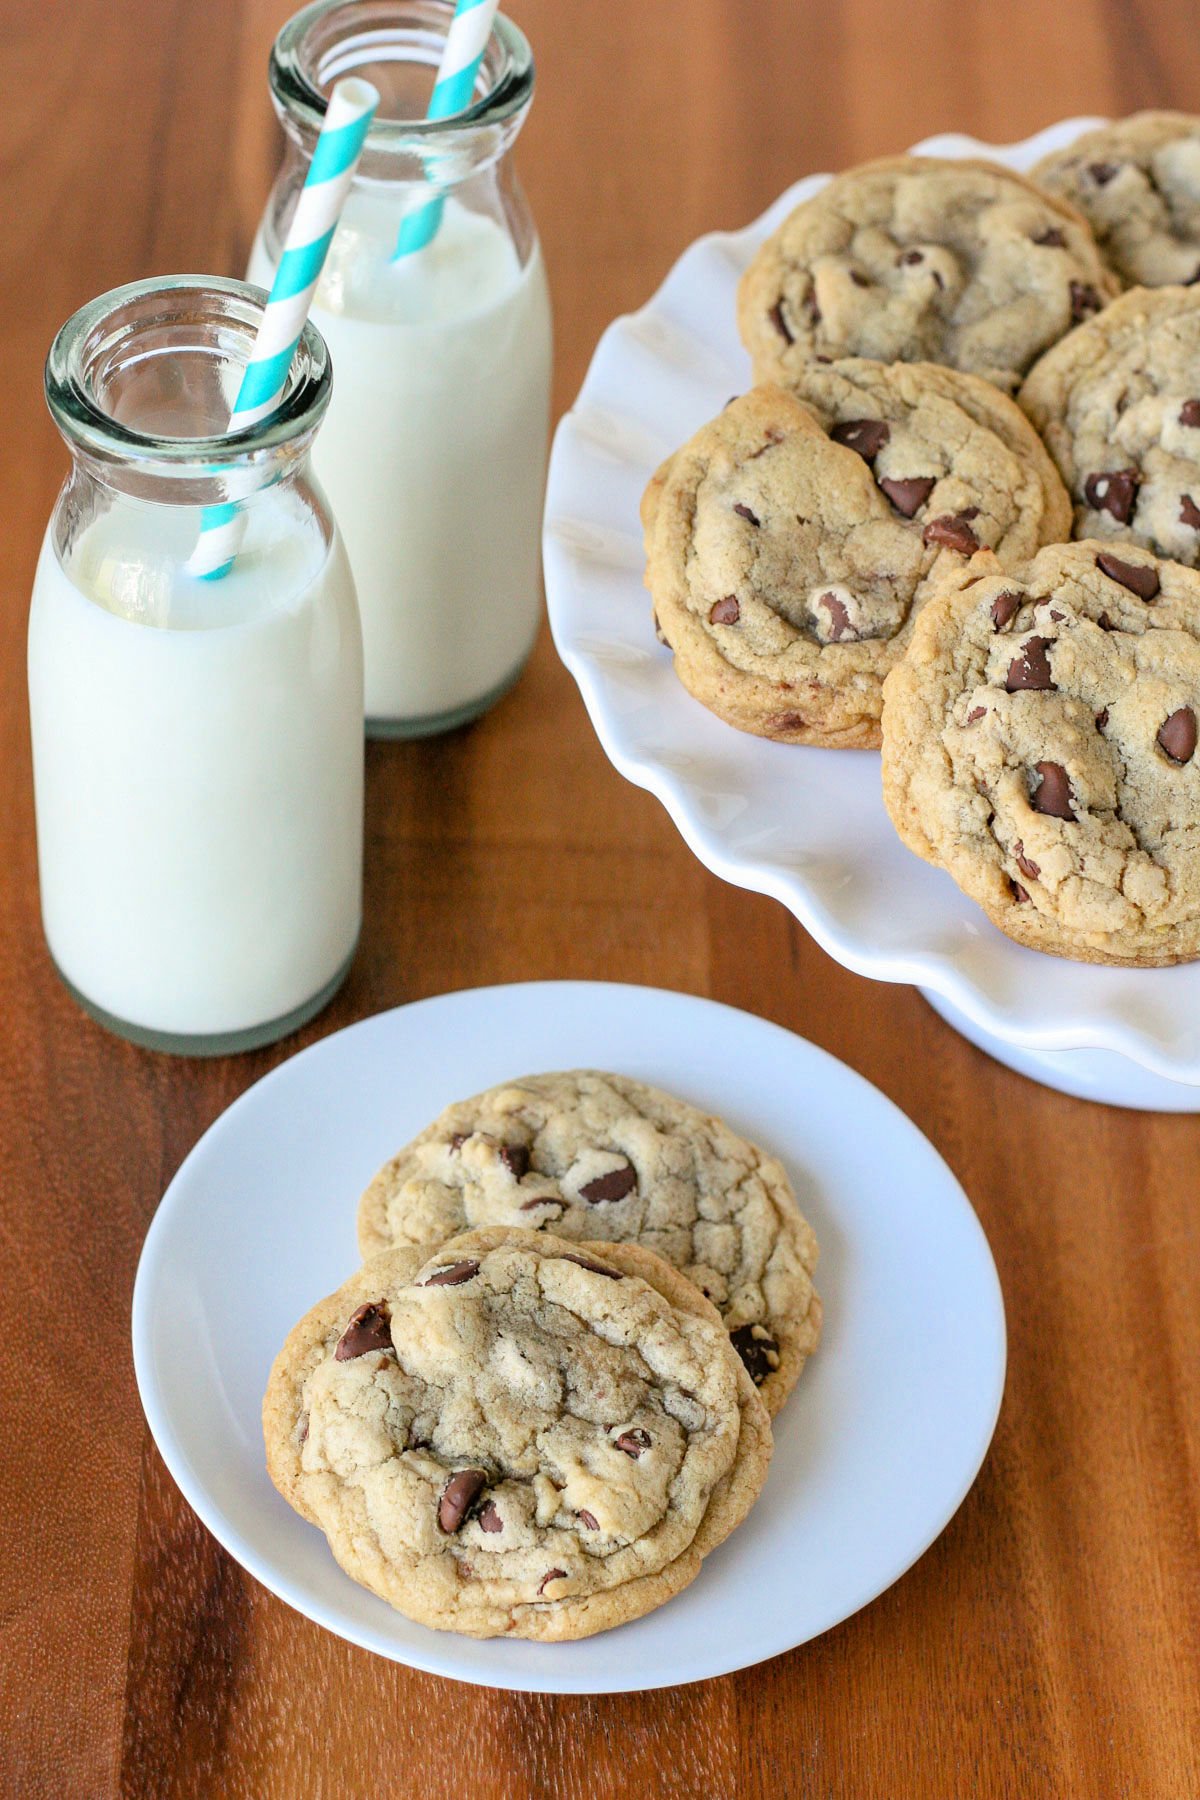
466 41
348 117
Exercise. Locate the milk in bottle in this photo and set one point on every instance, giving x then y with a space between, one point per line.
434 451
197 745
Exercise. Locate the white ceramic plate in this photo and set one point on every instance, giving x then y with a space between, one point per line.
874 1451
807 826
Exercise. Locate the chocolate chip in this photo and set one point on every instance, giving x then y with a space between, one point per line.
1051 239
953 532
540 1200
588 1520
453 1275
1084 301
460 1137
745 513
1031 669
1104 622
489 1518
302 1432
613 1186
459 1496
912 257
725 612
1102 718
659 633
839 617
1025 863
758 1350
585 1262
859 279
865 436
778 723
780 323
1102 172
1113 491
1053 792
1140 578
908 496
515 1158
1017 891
976 713
1177 735
633 1442
369 1329
549 1576
1189 512
1005 608
1189 413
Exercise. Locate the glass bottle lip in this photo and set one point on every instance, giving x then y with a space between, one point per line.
298 96
94 331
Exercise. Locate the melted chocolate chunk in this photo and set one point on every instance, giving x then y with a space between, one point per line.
369 1329
615 1185
1025 863
1177 735
1189 414
839 618
1113 491
1005 608
633 1442
1052 795
908 496
866 437
1031 669
745 513
725 612
459 1496
1102 172
1140 578
1189 512
549 1576
758 1350
588 1520
453 1275
586 1262
1084 301
515 1158
489 1517
1051 239
780 323
952 531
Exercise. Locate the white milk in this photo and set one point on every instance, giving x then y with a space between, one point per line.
433 453
197 752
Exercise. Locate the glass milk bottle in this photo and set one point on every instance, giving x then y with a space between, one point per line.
434 455
197 745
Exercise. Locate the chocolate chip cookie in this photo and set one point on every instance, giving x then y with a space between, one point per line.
596 1156
1137 182
1039 743
1118 403
790 544
518 1436
916 259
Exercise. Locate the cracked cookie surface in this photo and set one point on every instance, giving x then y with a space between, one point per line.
589 1155
1118 404
919 259
518 1436
790 544
1137 182
1039 744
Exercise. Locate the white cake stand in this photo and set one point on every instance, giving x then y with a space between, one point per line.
809 826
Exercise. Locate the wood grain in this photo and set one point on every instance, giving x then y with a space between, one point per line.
1047 1644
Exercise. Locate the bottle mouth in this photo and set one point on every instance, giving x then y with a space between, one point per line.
396 45
146 375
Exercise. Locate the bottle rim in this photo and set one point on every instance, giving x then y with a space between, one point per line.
507 63
112 322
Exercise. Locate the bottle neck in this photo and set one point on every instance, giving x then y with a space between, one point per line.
141 383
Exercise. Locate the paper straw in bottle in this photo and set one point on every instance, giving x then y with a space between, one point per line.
466 41
351 108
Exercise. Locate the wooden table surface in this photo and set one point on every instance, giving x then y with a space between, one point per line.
1047 1644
